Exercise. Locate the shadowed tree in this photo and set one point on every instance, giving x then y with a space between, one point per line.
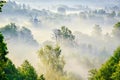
63 33
2 4
3 59
116 30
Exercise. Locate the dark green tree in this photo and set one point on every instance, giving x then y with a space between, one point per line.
2 4
3 58
7 69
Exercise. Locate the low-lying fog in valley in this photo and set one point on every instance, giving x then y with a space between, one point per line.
85 33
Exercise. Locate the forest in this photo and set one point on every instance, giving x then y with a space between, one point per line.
30 49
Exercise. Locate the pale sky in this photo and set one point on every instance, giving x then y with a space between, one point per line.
46 3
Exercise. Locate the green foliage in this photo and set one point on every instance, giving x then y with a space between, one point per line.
41 77
18 34
7 68
3 59
27 71
11 72
116 30
53 62
116 74
10 29
117 25
51 58
2 4
3 49
64 33
109 70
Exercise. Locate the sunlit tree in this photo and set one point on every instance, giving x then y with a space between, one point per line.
109 70
53 62
27 71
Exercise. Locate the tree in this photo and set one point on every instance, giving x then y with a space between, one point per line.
53 62
2 4
41 77
116 74
109 70
97 31
3 58
116 30
64 33
11 71
27 71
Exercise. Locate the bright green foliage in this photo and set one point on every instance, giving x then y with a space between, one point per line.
53 62
2 4
27 71
64 33
116 74
109 70
92 74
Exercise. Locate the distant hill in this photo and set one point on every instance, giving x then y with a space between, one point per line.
16 34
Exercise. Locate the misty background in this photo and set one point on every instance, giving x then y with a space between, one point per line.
28 25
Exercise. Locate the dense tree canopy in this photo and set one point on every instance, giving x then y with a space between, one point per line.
27 71
3 58
109 70
53 62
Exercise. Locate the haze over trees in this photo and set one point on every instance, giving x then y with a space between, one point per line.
70 55
18 34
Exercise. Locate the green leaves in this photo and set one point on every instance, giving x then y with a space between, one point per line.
64 33
117 25
53 62
27 71
110 70
2 4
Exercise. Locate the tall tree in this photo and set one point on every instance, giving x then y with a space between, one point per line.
27 71
3 58
53 62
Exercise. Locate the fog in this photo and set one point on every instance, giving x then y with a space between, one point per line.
91 47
